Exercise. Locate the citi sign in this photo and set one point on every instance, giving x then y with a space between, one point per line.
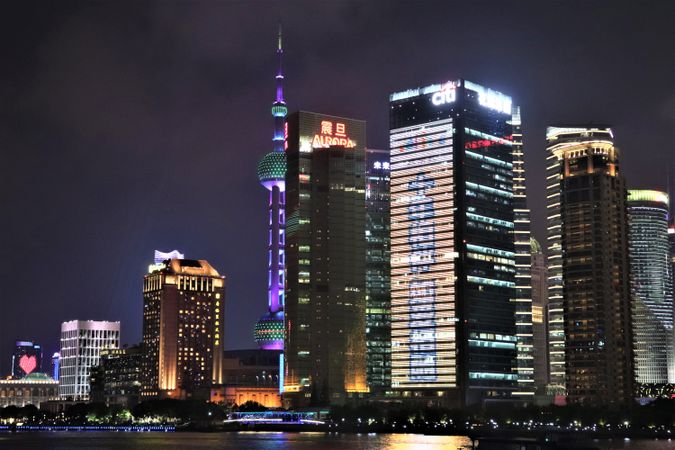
445 95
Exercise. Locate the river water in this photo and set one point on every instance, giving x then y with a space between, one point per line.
96 440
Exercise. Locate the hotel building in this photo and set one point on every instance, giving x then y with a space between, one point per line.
183 329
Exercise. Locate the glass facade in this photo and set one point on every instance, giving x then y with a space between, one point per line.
378 296
325 326
652 285
453 269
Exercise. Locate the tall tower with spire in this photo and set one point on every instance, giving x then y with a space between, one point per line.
269 330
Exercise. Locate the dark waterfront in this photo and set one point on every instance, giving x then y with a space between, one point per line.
267 441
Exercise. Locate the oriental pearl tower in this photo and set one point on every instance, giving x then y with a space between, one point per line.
269 330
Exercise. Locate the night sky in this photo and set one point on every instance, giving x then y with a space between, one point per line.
127 127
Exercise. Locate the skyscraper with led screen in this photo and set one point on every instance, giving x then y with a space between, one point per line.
27 358
453 268
325 325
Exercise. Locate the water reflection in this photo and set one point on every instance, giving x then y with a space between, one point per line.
420 442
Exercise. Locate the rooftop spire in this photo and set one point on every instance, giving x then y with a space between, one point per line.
280 75
279 109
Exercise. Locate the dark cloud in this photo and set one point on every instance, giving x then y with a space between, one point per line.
131 126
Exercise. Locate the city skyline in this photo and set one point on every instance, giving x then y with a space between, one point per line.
96 182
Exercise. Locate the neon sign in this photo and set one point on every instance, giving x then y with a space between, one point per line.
489 98
381 165
447 94
332 134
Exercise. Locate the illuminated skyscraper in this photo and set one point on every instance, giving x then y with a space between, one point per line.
81 345
183 329
27 358
522 241
554 268
325 311
378 287
539 314
589 228
269 331
652 284
671 245
453 266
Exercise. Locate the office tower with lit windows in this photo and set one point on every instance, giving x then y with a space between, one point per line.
523 293
589 228
27 358
183 329
269 330
554 269
652 285
671 246
453 266
539 314
378 288
325 327
118 377
81 345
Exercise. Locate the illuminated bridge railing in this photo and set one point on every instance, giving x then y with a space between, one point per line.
275 417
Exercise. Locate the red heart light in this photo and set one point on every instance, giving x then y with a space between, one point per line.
27 363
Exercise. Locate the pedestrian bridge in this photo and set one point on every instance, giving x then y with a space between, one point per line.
275 418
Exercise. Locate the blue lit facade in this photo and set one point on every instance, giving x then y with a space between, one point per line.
453 269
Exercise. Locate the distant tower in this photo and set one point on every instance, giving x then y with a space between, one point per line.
269 331
539 315
652 284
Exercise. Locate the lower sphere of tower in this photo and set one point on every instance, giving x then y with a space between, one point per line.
269 331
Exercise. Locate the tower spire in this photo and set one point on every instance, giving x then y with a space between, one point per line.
280 75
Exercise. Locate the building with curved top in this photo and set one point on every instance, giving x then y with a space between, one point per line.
652 285
183 329
269 330
590 330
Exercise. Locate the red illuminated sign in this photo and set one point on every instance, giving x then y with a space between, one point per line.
27 363
332 134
